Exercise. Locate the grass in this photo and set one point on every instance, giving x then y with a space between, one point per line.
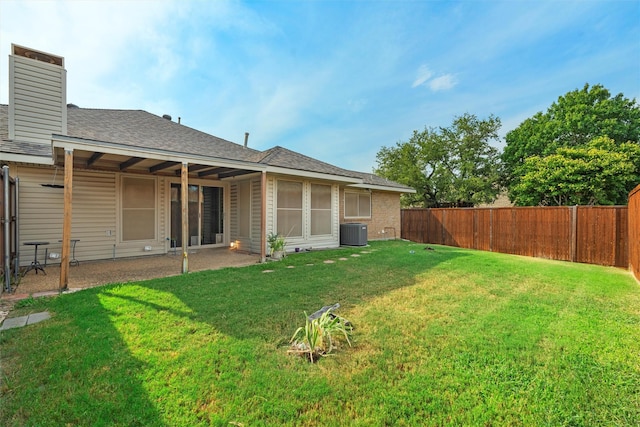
443 337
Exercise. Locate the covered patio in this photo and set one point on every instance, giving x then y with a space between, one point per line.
74 154
95 273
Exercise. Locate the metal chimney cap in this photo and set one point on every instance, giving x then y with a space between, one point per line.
166 116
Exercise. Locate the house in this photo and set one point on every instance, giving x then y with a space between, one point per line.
130 183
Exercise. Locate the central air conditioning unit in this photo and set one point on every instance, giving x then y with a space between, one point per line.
353 234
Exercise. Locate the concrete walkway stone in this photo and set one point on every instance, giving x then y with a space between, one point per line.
38 317
18 322
14 322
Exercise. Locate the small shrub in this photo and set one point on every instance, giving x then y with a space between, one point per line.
276 242
316 338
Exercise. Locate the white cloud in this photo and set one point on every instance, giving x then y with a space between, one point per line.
96 38
444 82
424 74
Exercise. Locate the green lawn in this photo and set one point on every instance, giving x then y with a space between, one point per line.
442 337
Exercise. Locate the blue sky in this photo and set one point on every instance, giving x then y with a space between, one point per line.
335 80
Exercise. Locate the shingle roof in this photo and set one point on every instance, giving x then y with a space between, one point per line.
140 129
285 158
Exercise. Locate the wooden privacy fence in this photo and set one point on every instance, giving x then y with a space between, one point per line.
634 231
588 234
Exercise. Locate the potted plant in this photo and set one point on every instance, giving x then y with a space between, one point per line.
276 245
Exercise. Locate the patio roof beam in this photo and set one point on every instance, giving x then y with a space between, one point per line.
234 173
214 171
196 168
163 165
94 158
132 161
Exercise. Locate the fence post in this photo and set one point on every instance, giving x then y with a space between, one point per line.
574 232
490 229
442 227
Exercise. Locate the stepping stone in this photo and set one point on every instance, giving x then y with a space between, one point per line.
291 266
14 322
343 259
267 271
38 317
309 265
18 322
355 255
329 261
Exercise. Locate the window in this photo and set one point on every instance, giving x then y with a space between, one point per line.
357 205
320 209
138 209
289 212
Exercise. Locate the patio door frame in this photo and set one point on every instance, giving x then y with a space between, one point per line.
226 199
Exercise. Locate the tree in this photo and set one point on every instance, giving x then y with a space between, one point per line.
600 173
454 165
574 120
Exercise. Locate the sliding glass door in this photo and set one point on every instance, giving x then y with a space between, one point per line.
206 219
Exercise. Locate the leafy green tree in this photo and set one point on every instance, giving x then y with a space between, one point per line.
600 173
453 166
574 120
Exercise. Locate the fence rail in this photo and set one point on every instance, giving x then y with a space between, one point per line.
587 234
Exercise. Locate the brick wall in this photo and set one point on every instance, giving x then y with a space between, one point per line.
385 215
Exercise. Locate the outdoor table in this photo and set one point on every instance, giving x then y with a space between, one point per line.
73 261
35 264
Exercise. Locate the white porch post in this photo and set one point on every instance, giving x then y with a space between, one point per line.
66 224
185 216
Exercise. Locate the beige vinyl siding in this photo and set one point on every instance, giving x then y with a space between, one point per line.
41 212
94 216
233 212
37 100
271 204
94 213
245 242
256 196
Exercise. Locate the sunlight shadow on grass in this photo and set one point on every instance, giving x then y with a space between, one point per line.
245 303
87 376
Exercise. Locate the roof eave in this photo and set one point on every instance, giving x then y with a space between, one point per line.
70 142
383 188
314 175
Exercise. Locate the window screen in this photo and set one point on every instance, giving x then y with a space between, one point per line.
138 209
289 210
320 209
357 205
